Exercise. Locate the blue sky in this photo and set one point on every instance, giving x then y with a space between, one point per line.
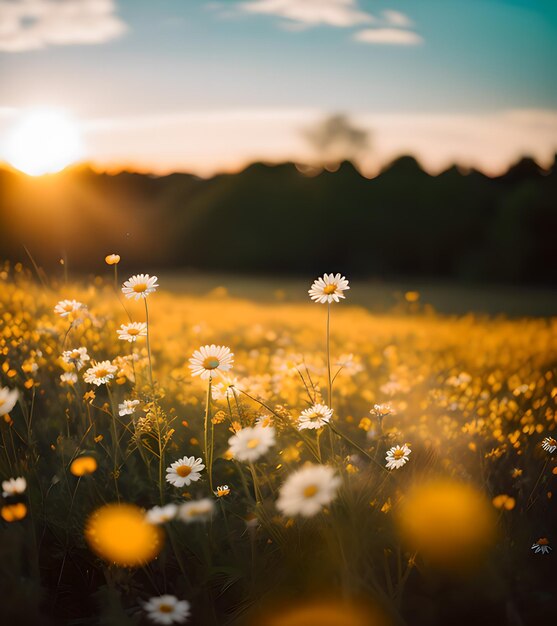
179 57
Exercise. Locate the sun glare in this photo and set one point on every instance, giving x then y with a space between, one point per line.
43 141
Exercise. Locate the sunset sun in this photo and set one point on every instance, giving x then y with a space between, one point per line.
43 141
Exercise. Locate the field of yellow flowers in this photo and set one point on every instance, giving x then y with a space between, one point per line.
212 460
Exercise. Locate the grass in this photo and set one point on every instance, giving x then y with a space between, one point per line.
472 395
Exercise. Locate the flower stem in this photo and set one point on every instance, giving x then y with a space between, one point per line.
329 380
149 345
208 447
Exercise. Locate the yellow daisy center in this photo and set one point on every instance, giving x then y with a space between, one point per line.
543 542
140 287
101 373
253 443
183 470
68 307
165 608
310 491
74 355
133 331
398 454
211 363
329 289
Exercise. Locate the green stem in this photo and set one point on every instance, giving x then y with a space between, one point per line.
329 380
208 449
149 347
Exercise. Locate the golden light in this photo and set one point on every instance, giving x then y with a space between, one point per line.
43 141
120 533
450 523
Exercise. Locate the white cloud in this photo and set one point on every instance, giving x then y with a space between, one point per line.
390 36
396 18
342 13
35 24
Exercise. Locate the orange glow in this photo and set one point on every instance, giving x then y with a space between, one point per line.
83 465
43 141
119 534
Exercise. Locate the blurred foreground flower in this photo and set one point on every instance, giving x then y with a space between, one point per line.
250 443
167 610
127 407
161 514
83 465
196 511
14 487
8 399
328 289
308 490
322 612
13 512
121 534
112 259
65 307
450 523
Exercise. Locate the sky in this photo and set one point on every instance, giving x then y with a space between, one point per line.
207 86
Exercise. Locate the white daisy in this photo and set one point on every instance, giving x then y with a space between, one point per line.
184 471
250 443
14 486
130 332
196 510
161 514
127 407
167 610
66 307
542 545
328 289
549 444
211 360
315 417
397 456
69 378
308 490
76 357
100 373
8 399
139 286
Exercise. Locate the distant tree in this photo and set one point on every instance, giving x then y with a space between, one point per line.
337 139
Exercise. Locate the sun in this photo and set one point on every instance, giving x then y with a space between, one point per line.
43 141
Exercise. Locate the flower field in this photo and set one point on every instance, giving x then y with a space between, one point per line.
173 458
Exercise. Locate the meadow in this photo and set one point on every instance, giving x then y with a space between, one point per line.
197 454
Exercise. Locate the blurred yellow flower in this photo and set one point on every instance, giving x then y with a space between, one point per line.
450 523
83 465
112 259
504 501
13 512
120 534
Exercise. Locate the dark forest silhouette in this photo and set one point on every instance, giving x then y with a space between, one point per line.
458 225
